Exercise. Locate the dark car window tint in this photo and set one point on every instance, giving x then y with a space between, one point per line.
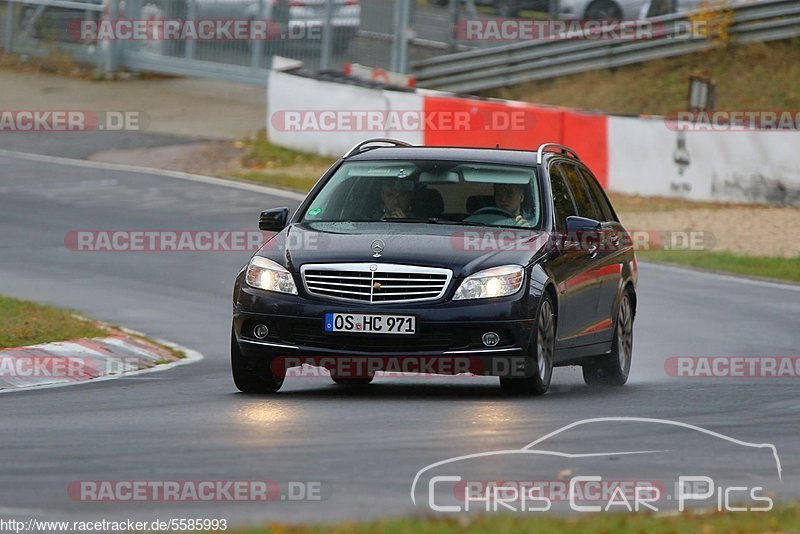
562 200
584 203
599 196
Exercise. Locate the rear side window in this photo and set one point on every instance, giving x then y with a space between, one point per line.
599 196
585 204
562 199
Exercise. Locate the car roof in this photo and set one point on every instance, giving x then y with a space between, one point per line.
478 155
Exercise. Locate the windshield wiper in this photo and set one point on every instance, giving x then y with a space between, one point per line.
430 220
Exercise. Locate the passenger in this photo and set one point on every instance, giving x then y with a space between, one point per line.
397 194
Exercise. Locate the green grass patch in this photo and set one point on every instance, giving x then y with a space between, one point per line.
783 518
299 182
263 154
784 269
272 165
27 323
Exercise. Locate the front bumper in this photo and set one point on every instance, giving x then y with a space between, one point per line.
448 333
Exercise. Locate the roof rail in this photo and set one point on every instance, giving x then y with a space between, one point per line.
360 146
563 149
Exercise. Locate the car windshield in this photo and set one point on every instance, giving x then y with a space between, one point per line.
446 192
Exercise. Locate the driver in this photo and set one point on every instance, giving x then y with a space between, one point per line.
510 197
397 194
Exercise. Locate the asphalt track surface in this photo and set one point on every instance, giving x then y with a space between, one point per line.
189 423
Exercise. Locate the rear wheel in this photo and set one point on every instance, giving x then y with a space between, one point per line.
541 356
613 369
252 376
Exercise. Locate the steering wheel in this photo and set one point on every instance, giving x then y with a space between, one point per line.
494 211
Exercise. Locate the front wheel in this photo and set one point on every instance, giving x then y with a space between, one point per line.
543 353
252 376
613 369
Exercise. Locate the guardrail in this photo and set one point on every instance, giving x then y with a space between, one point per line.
520 62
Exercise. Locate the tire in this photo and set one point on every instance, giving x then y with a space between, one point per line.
252 376
353 382
543 349
613 369
506 8
603 10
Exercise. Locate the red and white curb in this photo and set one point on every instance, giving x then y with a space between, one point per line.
121 353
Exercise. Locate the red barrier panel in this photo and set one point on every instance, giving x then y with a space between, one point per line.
587 134
492 123
478 123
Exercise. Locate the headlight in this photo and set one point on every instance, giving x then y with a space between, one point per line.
270 276
495 282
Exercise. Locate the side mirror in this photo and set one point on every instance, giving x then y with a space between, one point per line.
583 234
582 224
273 220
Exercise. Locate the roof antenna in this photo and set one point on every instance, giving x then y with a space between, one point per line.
498 146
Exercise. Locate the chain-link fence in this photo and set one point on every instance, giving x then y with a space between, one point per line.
229 39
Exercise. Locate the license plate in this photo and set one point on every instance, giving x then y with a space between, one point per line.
361 323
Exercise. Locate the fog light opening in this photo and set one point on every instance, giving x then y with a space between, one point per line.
260 331
490 339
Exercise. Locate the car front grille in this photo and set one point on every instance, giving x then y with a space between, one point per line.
375 283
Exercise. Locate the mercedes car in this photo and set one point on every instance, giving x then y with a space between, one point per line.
440 260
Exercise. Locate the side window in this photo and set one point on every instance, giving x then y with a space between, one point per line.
599 196
584 203
562 199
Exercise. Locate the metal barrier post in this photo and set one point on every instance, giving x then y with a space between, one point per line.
400 40
191 14
112 46
454 21
402 61
402 12
554 8
327 37
258 44
10 16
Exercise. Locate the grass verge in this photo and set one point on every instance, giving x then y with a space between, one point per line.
783 518
660 87
784 269
27 323
268 164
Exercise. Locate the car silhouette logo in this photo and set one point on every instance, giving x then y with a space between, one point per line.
377 247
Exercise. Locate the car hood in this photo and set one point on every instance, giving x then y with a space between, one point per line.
463 249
